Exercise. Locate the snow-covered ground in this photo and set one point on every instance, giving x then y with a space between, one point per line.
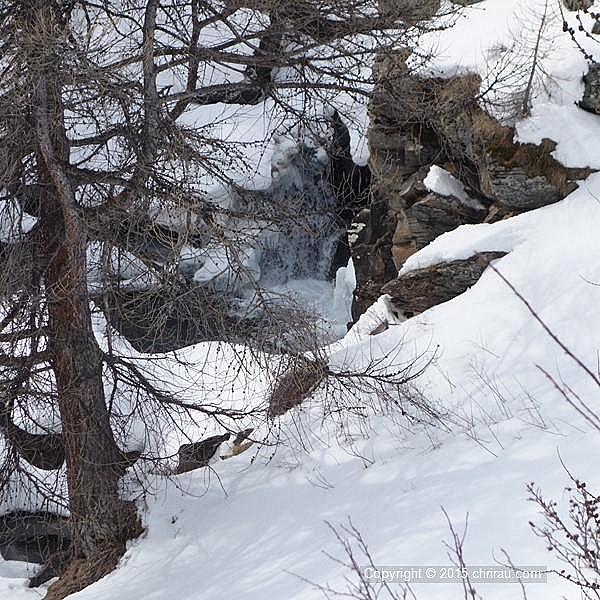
256 525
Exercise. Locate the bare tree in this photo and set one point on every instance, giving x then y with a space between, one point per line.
571 535
583 30
105 179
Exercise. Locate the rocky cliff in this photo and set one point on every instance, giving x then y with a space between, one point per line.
420 122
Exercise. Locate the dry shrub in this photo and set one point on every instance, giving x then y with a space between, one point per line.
296 384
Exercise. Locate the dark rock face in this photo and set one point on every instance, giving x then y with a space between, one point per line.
33 537
412 120
409 10
591 94
198 454
41 538
433 215
390 236
578 4
55 566
170 318
150 323
419 290
515 190
372 255
522 177
351 184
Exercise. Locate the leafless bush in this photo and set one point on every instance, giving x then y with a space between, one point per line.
383 386
579 404
456 555
572 535
357 558
583 28
516 72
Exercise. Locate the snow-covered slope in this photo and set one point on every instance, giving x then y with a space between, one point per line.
256 526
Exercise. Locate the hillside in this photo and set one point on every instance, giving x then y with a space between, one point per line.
491 400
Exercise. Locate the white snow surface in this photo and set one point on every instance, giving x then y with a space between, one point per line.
441 182
256 525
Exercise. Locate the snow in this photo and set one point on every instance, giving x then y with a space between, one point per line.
379 313
575 131
343 294
438 180
255 526
14 222
331 301
130 271
217 268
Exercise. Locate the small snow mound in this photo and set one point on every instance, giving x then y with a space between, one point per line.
441 182
381 313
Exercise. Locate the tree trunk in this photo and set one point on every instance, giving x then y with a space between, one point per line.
92 456
99 517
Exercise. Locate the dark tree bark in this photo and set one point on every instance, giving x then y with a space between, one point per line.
98 516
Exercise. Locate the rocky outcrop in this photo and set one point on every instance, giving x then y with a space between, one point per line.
591 93
409 10
518 176
44 451
200 454
351 184
578 4
372 254
169 318
55 566
37 537
428 218
419 290
417 122
154 322
173 317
